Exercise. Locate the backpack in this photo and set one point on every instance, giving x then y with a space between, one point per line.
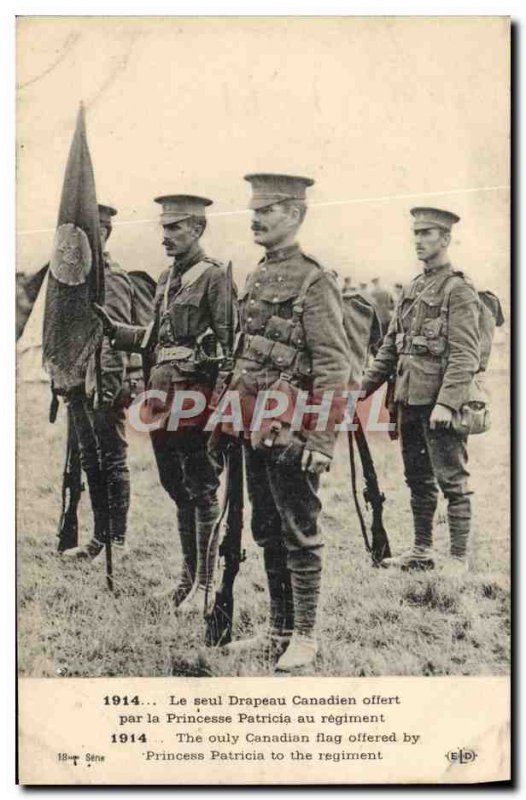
490 317
474 416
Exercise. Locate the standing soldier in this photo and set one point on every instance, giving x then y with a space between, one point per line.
189 323
433 347
99 421
292 334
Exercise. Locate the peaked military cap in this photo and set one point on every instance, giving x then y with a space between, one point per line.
177 207
105 214
269 188
433 218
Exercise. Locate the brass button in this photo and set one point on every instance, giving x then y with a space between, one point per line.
279 358
249 319
257 284
280 278
252 302
275 299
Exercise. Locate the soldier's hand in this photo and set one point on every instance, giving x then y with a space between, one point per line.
315 462
108 325
441 417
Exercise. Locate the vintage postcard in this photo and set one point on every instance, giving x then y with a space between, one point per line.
263 400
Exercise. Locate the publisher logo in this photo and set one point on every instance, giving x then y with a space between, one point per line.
461 756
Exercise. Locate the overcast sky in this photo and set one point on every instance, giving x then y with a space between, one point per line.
372 108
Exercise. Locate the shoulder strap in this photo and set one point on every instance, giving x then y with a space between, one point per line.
449 286
297 308
213 261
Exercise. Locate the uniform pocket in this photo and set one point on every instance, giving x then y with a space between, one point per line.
431 307
184 315
432 330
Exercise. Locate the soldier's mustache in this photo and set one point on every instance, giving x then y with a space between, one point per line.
258 228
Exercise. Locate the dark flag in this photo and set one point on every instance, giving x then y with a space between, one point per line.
72 331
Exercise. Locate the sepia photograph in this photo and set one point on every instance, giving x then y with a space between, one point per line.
263 350
287 223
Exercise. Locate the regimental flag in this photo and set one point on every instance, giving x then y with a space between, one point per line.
72 331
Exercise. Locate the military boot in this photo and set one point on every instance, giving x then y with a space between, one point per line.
459 521
417 558
187 536
303 647
201 595
300 654
85 552
267 645
274 640
119 499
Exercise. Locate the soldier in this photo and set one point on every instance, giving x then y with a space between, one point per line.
189 322
99 421
434 351
292 334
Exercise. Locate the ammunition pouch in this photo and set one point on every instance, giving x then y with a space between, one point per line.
276 435
474 416
276 354
430 343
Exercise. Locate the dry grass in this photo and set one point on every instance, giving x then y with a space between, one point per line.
372 622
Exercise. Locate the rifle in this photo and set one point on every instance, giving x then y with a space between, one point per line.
72 487
104 479
392 408
379 546
99 298
219 620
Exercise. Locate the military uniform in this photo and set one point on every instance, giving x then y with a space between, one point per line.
292 332
100 421
432 348
190 303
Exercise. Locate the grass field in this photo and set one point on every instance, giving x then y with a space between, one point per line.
372 622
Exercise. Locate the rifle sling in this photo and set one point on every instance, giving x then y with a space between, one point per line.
354 487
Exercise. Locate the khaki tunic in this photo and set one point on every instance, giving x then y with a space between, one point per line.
433 353
270 292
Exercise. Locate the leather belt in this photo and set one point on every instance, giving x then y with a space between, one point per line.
173 353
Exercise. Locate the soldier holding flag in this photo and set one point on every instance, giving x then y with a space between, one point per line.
100 421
